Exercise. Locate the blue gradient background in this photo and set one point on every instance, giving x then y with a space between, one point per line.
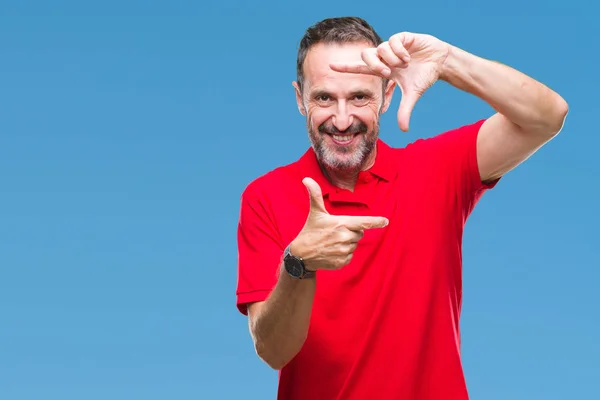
128 131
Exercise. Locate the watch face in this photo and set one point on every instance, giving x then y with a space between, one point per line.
294 267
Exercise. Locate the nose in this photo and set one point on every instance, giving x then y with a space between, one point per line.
342 119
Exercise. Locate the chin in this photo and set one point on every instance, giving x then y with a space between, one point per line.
349 157
342 162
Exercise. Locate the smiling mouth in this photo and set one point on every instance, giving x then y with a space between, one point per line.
343 139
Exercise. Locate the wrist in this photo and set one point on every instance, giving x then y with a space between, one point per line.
464 71
299 250
449 65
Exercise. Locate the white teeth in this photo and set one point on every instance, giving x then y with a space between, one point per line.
342 138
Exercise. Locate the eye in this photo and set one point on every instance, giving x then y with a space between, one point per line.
322 98
361 99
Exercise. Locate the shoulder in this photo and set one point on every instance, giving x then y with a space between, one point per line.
464 135
439 150
272 185
274 204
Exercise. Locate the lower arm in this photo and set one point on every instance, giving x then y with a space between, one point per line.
522 100
281 325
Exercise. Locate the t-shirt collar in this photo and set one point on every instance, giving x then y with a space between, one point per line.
383 168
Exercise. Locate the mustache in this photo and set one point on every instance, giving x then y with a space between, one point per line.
356 127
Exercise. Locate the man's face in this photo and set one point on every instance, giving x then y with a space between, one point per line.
342 110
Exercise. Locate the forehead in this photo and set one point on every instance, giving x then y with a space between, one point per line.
318 74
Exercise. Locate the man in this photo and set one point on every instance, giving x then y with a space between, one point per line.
356 293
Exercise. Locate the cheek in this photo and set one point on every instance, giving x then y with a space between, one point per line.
369 115
367 112
316 116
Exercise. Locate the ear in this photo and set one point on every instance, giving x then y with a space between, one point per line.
299 99
387 97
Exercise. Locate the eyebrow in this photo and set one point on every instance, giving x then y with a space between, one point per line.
354 93
319 92
362 92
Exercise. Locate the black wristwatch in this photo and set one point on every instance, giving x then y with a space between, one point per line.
295 266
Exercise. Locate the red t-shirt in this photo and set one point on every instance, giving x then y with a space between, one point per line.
386 326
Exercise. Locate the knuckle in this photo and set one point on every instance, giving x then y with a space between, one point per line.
350 247
341 260
339 226
339 236
396 63
348 237
398 48
396 39
390 56
338 250
383 47
346 249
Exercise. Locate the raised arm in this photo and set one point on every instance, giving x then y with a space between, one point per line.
529 114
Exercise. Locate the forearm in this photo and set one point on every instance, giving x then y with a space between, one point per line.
280 326
525 102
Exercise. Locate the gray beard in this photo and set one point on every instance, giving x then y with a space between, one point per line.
353 161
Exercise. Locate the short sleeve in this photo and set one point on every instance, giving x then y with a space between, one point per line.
260 249
457 151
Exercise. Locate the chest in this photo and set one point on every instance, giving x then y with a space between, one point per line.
396 271
421 214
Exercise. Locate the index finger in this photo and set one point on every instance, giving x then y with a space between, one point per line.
354 68
371 65
359 223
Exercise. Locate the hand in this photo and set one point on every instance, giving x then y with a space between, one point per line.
328 241
414 61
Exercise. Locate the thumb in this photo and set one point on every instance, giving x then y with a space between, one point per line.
316 196
407 104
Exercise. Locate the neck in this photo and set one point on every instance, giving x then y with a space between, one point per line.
346 178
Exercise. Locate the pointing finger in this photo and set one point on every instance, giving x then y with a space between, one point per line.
352 68
355 223
372 65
